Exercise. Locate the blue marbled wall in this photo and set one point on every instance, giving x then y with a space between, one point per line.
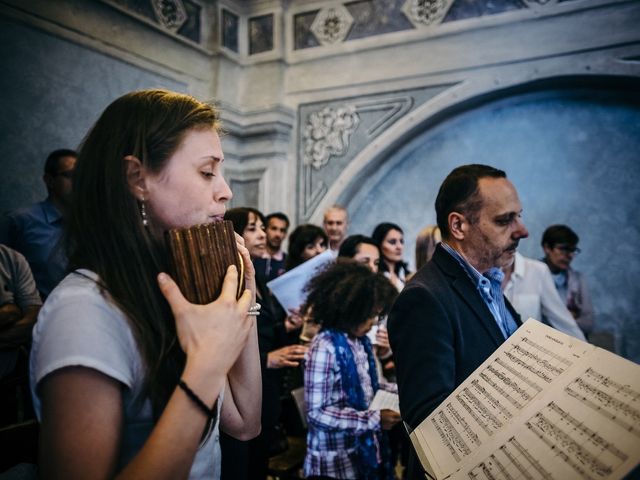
51 92
574 158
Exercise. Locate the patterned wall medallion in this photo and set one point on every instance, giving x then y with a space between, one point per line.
426 12
170 13
332 24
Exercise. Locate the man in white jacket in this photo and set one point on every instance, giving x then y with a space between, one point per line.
529 287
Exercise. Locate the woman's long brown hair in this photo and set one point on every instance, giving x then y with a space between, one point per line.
104 229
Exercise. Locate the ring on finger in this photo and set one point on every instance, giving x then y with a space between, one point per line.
254 310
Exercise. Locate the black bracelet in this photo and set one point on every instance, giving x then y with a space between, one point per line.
211 413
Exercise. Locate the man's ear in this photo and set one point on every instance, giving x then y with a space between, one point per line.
136 176
457 225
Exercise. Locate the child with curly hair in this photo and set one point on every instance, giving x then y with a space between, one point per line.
345 438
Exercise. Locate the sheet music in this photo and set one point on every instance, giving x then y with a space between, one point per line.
589 430
544 406
383 399
288 288
498 391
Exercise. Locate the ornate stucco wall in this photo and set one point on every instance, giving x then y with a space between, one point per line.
368 103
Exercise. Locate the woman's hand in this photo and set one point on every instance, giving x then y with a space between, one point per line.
249 270
382 338
289 356
293 321
215 333
383 348
388 419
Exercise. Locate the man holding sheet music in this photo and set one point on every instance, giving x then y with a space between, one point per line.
452 315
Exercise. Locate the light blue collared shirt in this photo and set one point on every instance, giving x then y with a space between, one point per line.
36 233
489 286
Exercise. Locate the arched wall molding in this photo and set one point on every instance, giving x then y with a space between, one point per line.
369 165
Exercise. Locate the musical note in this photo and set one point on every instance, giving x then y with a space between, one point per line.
606 404
510 461
587 461
450 436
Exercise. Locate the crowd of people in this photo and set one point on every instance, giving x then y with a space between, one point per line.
130 379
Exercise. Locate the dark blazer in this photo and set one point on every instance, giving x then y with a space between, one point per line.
440 331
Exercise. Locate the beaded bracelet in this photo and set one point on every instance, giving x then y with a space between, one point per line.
211 413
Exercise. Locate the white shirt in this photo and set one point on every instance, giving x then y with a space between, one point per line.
533 294
78 326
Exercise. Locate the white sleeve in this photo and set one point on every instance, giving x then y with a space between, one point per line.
554 309
78 327
586 317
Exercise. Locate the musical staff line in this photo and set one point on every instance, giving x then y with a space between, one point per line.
599 401
467 399
540 348
577 456
519 375
510 461
494 402
543 362
451 438
529 458
608 382
504 379
470 434
538 373
503 471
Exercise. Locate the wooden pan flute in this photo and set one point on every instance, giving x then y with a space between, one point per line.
200 256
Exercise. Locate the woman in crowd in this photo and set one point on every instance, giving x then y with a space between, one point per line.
365 251
361 249
275 354
390 238
560 245
305 242
129 378
426 243
345 439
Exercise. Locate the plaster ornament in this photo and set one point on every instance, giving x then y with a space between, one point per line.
332 24
426 12
170 13
327 133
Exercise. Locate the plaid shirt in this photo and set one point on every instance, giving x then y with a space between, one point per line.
333 425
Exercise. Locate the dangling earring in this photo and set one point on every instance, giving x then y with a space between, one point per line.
143 213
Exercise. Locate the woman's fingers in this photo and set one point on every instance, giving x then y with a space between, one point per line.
245 300
296 352
249 270
239 238
230 284
172 294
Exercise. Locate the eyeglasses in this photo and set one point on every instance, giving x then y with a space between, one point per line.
568 249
